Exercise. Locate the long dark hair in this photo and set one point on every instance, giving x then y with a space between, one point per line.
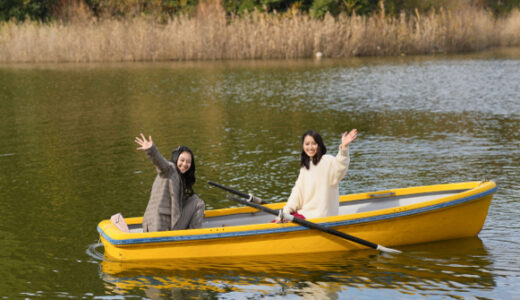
305 160
188 178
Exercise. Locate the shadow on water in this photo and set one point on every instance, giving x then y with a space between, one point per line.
456 266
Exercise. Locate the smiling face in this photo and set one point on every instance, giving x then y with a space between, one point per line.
184 162
310 147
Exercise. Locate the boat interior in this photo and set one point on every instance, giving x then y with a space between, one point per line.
374 203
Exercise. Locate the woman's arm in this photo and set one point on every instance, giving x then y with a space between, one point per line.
339 166
294 203
162 164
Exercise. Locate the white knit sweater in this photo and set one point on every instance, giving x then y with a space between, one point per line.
316 192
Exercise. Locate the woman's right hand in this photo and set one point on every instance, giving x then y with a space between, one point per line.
277 220
145 145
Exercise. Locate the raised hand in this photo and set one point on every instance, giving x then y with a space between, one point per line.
145 145
348 137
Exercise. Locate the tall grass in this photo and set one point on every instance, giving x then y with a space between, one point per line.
211 35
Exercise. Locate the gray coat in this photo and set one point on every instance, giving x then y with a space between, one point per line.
168 207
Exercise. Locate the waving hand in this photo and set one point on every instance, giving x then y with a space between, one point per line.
348 137
145 145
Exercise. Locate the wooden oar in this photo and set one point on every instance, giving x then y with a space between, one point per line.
302 222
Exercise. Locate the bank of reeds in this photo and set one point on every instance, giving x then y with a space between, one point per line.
210 35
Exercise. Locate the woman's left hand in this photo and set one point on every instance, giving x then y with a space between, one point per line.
145 145
348 137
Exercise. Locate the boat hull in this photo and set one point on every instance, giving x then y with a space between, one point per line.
461 214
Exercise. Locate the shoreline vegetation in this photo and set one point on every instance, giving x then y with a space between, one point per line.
211 34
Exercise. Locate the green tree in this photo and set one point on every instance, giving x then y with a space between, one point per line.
501 7
360 7
21 10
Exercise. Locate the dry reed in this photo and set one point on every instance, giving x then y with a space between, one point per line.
210 35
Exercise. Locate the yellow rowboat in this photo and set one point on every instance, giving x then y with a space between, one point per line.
391 218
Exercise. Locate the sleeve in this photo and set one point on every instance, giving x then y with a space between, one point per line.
339 166
176 195
161 164
295 200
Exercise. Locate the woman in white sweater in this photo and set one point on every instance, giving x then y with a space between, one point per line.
316 192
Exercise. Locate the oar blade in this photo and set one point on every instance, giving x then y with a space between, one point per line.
388 250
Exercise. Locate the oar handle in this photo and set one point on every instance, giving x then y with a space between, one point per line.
239 193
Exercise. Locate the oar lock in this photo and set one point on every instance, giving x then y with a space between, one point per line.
254 199
280 215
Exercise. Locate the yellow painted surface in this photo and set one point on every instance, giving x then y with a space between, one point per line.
462 220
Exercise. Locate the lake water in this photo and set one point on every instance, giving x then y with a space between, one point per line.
68 160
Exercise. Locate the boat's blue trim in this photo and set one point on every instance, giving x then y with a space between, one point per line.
292 228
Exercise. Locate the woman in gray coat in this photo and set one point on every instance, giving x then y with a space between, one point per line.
173 205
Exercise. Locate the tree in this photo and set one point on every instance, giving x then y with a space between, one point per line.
21 10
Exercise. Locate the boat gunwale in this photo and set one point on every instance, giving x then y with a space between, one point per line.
273 228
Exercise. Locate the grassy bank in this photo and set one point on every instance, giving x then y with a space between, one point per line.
211 35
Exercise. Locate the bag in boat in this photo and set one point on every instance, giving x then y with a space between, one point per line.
119 221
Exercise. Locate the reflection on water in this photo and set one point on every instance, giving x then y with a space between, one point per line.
462 265
68 160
